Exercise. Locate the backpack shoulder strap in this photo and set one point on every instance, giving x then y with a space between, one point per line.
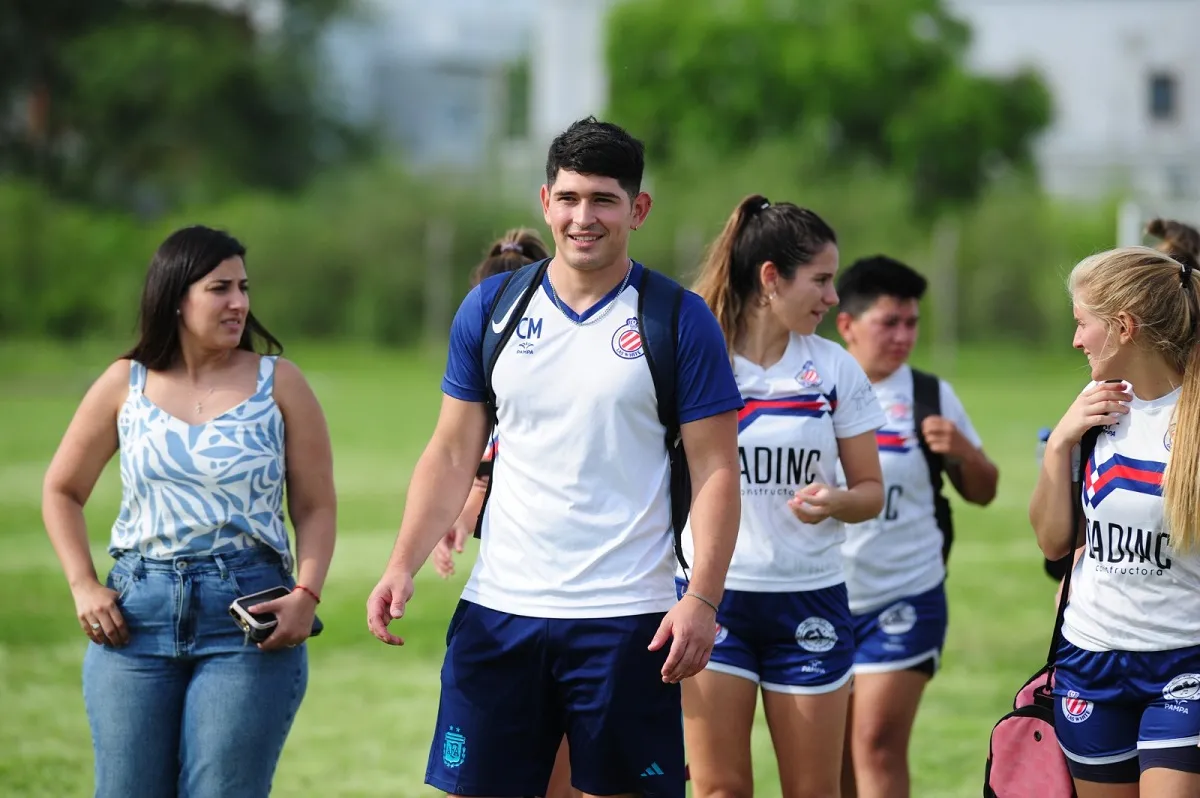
504 315
498 325
927 401
1087 445
659 301
927 396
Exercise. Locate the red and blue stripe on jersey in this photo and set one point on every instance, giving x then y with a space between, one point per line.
813 405
1124 473
893 442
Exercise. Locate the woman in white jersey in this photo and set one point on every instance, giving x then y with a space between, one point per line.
784 621
516 248
895 563
1128 670
1180 241
179 701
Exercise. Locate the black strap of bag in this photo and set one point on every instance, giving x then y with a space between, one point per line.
1087 445
927 401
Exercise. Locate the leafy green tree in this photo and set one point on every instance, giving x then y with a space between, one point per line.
149 104
877 79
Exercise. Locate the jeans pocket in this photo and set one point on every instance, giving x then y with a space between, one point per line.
120 580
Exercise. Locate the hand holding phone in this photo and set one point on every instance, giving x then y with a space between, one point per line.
257 625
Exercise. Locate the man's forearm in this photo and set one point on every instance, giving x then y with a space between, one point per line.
715 517
978 477
436 495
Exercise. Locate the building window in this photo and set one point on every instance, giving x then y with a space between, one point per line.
1163 96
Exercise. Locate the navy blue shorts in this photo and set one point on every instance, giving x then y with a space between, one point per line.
1121 706
800 643
513 685
904 635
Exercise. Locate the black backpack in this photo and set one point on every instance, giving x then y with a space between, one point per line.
927 401
659 300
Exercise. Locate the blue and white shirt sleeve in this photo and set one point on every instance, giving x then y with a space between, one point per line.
704 375
858 409
464 365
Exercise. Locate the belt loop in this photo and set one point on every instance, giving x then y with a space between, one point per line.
221 566
138 568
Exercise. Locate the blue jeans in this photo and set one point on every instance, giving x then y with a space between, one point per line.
187 709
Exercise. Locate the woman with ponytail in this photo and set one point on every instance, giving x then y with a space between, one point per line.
784 621
1128 670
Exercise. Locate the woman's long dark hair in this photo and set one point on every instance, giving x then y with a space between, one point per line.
185 257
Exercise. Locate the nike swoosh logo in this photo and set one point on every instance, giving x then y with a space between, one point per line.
498 326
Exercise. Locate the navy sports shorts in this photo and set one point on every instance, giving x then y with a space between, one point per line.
907 634
1120 707
800 642
512 685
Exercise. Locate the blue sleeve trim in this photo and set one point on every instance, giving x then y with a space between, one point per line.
463 378
704 375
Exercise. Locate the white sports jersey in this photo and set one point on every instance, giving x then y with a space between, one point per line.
578 521
788 438
1131 591
899 553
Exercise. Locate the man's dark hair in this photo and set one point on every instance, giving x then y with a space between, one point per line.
868 279
589 147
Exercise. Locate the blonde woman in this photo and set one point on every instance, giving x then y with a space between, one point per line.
1128 671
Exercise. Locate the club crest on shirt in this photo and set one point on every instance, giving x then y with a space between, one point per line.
808 376
899 410
627 340
1169 438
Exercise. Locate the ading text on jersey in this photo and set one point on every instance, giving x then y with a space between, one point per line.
1120 549
780 469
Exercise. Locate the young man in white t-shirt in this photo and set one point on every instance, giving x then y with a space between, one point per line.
895 563
564 621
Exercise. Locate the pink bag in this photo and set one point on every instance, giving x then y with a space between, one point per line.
1024 758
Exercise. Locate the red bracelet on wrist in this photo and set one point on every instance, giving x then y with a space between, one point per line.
309 592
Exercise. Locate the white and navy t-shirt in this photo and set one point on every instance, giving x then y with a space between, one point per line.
578 524
788 433
899 553
1131 591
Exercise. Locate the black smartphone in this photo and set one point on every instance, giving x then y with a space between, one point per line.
256 625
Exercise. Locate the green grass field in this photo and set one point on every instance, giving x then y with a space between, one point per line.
366 723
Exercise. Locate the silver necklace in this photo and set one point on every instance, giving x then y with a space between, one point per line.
608 308
200 402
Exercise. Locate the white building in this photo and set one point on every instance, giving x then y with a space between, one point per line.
1124 76
456 81
1125 80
